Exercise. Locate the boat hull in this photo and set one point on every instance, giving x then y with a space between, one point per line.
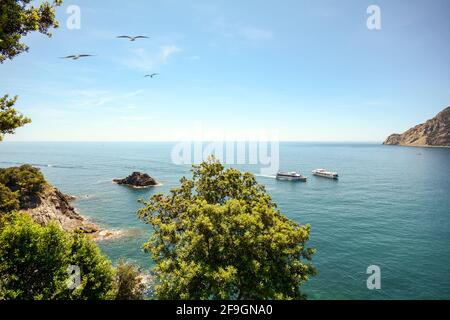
326 176
300 179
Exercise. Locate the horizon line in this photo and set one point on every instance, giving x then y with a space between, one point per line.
189 141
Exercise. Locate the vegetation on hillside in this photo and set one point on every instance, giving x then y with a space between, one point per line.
21 186
9 201
34 259
34 263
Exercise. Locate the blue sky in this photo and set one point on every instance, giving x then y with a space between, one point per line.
309 70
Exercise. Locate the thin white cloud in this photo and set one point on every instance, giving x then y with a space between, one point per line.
167 51
145 61
256 34
236 30
193 58
135 118
374 103
98 98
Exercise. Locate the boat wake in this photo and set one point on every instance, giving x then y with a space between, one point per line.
266 176
42 165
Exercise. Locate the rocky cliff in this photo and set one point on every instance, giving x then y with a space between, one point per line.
434 132
52 205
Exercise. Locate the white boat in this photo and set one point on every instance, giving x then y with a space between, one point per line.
326 174
291 176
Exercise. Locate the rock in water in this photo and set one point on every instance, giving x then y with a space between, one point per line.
434 132
137 180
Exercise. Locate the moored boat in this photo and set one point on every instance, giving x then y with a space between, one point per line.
326 174
291 176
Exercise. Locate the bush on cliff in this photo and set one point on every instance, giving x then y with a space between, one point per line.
25 181
9 201
34 262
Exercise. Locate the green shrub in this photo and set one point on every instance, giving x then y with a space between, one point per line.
8 200
129 285
26 180
34 263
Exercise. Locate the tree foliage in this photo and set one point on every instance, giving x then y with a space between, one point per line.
220 236
18 18
129 284
34 258
10 119
34 261
9 201
97 281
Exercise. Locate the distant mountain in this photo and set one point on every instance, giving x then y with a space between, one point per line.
434 132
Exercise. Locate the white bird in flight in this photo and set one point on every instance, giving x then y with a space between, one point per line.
151 75
77 56
133 38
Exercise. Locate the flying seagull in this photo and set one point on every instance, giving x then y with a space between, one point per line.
77 56
131 38
151 75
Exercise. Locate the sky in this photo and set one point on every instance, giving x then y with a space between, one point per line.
229 69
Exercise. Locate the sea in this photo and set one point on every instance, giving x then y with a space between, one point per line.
390 207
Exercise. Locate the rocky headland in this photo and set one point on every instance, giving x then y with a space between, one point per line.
433 133
52 205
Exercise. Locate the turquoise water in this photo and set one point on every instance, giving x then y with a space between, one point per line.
391 207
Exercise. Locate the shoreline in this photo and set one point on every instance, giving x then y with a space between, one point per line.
415 146
102 233
159 184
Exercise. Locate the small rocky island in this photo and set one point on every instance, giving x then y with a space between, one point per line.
433 133
137 180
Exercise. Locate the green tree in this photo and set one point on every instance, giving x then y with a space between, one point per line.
220 236
17 19
34 258
97 273
128 281
34 261
10 119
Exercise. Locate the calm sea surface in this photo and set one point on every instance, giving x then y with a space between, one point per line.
390 207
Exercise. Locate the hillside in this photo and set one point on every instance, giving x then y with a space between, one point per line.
434 132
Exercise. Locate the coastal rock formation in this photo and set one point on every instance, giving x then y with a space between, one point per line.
434 132
137 180
52 205
393 139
